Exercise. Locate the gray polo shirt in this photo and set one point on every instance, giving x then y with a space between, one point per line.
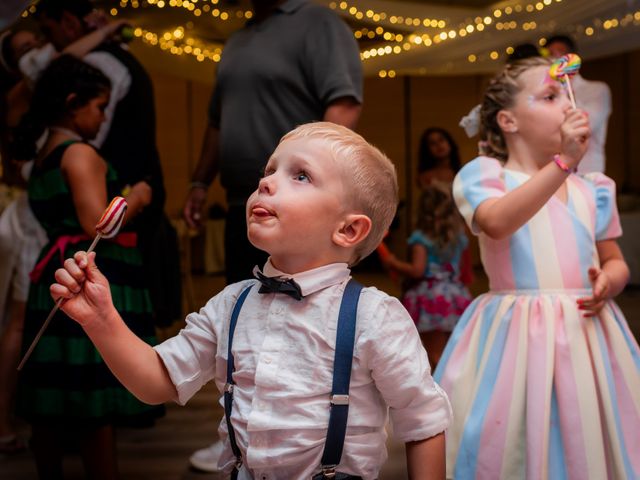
273 76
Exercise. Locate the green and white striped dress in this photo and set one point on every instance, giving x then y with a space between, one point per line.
65 380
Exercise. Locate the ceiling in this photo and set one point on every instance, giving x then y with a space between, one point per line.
460 37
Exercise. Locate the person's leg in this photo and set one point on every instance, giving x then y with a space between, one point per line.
10 344
240 256
98 450
46 444
434 343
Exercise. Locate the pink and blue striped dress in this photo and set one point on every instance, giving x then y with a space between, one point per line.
537 390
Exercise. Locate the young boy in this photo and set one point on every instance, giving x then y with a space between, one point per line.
325 201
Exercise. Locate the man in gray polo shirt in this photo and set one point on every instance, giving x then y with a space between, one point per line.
293 63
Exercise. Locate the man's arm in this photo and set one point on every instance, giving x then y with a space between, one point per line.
205 172
426 458
120 79
343 111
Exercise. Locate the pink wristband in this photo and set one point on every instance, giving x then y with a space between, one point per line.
563 166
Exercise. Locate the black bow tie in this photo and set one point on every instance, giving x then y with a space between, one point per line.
275 285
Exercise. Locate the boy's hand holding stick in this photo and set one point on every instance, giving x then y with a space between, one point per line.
107 227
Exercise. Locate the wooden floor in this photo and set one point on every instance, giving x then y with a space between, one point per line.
162 452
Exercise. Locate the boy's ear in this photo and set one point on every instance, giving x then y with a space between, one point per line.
507 121
353 230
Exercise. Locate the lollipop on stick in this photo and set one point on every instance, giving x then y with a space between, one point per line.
107 227
564 68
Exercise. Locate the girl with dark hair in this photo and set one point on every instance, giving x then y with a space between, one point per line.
65 390
438 157
24 58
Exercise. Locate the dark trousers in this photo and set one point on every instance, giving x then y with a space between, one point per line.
239 255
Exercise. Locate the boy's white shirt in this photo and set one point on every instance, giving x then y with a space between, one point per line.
283 351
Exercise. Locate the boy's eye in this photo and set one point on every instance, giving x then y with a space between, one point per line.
302 177
550 97
267 171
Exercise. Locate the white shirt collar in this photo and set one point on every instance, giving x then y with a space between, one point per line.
313 280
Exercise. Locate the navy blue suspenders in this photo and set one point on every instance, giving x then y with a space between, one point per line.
228 387
345 338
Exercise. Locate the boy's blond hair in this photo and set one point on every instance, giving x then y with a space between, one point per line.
369 177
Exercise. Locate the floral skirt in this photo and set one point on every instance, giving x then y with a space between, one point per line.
436 304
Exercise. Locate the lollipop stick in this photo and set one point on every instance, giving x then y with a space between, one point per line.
571 96
94 243
53 311
40 332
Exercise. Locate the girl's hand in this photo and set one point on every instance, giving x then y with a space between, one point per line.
575 133
142 192
85 289
601 284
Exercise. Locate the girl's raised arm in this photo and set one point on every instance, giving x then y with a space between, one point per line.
501 217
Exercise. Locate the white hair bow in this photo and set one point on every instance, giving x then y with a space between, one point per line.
471 122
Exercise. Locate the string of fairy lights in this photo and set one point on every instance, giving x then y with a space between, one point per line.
478 24
399 34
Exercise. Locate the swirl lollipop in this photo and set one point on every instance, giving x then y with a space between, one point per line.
564 68
107 227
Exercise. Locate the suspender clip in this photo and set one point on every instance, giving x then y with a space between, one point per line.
329 471
339 399
228 388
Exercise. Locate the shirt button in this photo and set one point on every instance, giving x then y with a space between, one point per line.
267 359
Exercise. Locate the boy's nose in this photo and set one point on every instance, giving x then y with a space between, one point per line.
266 185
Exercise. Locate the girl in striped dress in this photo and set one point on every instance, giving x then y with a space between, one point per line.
542 372
65 391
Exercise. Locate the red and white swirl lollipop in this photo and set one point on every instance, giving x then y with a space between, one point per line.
563 69
107 227
111 220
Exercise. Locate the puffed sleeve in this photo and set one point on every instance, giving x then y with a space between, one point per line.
607 218
418 238
479 180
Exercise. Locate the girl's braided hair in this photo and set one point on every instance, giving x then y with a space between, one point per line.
500 94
